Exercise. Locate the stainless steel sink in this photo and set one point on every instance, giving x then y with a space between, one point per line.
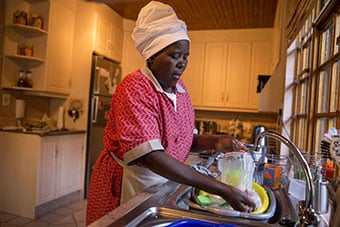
167 206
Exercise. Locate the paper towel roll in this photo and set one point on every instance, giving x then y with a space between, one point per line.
20 106
60 122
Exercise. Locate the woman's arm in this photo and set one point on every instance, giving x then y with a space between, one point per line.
172 169
223 143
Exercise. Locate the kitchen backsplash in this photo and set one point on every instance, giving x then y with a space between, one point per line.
35 108
237 124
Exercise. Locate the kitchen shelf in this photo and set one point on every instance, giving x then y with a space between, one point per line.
26 61
35 1
35 92
27 31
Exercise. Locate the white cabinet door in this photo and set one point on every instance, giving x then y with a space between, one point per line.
47 170
214 75
60 48
103 34
193 74
260 65
60 166
70 159
237 75
109 37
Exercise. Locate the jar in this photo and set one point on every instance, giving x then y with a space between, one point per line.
20 17
29 81
21 80
36 21
25 49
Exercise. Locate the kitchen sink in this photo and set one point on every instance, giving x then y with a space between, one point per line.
168 205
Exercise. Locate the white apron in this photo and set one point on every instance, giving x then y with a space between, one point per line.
136 179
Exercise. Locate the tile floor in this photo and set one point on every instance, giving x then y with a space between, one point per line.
70 215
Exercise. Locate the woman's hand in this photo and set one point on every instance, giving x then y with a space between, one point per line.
229 144
238 199
168 167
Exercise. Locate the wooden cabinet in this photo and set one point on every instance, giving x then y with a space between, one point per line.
109 36
51 62
60 167
214 75
59 49
260 65
227 76
193 74
38 170
223 75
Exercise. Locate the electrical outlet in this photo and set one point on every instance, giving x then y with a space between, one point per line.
6 99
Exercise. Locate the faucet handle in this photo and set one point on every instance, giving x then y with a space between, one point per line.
307 215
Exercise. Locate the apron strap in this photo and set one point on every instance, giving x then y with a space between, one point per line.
117 159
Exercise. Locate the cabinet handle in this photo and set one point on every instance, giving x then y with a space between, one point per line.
222 98
94 109
56 153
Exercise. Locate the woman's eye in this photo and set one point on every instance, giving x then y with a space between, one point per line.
175 56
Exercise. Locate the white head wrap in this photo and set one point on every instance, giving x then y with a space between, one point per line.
157 27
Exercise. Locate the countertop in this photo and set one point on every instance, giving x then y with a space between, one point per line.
42 132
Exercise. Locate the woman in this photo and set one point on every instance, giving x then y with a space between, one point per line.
149 131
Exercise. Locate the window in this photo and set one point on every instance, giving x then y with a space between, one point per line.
315 89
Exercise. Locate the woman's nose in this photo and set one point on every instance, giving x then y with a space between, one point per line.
181 64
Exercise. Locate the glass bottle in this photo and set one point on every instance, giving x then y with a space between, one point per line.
22 80
29 81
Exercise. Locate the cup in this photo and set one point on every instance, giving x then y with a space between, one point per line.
281 164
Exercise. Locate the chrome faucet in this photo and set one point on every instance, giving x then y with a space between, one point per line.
308 216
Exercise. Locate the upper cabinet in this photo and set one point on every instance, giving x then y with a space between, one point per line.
59 48
43 47
223 75
226 85
193 74
109 34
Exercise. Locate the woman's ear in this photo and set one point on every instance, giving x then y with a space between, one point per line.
150 60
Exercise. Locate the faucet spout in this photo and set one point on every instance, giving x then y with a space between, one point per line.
308 216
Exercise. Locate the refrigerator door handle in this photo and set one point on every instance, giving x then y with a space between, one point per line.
94 108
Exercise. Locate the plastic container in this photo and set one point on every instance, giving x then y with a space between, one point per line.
197 223
238 170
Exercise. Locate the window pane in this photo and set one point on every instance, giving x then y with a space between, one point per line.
334 95
326 44
305 57
332 123
296 100
301 139
337 34
304 97
323 91
298 61
321 128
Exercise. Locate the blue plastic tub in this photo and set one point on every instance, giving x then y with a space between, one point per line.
197 223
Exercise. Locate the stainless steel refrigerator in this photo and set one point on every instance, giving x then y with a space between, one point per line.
105 76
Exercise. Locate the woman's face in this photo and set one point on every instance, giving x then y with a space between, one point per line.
169 64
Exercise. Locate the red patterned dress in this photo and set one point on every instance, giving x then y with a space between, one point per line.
142 118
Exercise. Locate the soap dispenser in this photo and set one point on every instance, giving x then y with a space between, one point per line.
321 192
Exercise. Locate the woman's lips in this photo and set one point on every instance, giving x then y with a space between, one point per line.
176 76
